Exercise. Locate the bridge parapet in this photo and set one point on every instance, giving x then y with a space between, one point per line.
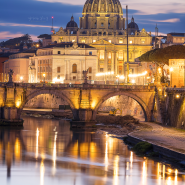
87 86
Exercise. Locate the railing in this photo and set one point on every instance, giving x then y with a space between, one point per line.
87 86
168 89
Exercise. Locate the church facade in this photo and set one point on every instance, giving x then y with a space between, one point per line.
102 26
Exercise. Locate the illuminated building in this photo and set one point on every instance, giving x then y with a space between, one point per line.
177 72
63 63
102 26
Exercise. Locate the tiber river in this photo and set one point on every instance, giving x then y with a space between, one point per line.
47 152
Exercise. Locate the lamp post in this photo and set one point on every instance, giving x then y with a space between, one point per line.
171 69
44 77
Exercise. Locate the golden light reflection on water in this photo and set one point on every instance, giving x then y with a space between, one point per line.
144 173
42 170
37 143
116 170
106 160
54 154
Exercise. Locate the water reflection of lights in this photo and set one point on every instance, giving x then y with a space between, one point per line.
116 169
131 159
144 175
37 143
54 154
163 171
159 173
106 156
42 173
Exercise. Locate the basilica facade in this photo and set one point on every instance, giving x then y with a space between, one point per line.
102 26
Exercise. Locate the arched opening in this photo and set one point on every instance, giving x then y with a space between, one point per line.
139 105
122 105
46 99
74 68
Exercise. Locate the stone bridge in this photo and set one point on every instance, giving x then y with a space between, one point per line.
84 99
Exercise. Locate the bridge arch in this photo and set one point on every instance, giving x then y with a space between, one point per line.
147 112
44 91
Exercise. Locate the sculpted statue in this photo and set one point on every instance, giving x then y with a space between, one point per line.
10 75
85 76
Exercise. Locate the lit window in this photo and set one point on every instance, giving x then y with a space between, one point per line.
74 68
58 69
101 54
58 76
74 77
89 77
120 56
90 70
83 41
94 40
130 41
109 55
143 41
73 40
90 52
101 69
110 41
120 41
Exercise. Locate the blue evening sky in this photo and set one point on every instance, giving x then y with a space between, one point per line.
18 17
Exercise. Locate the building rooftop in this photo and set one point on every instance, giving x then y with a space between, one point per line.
67 44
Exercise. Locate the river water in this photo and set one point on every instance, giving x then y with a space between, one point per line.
47 152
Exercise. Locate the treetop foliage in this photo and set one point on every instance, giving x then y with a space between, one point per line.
163 55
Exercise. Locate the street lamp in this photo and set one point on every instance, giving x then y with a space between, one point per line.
44 77
21 78
171 69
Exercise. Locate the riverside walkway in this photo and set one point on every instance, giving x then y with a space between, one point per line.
163 136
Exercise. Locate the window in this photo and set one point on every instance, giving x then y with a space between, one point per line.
120 70
43 69
58 76
74 68
90 52
41 62
90 70
58 52
58 69
120 56
83 41
120 41
38 69
101 54
102 24
101 69
95 24
109 24
109 55
74 77
89 77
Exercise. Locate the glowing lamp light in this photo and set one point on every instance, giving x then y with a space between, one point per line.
44 75
21 78
52 17
138 75
177 96
122 77
171 69
165 95
18 103
133 81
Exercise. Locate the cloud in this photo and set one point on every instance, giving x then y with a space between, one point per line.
167 20
159 33
143 6
5 35
27 25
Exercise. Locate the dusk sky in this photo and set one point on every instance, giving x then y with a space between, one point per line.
18 17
